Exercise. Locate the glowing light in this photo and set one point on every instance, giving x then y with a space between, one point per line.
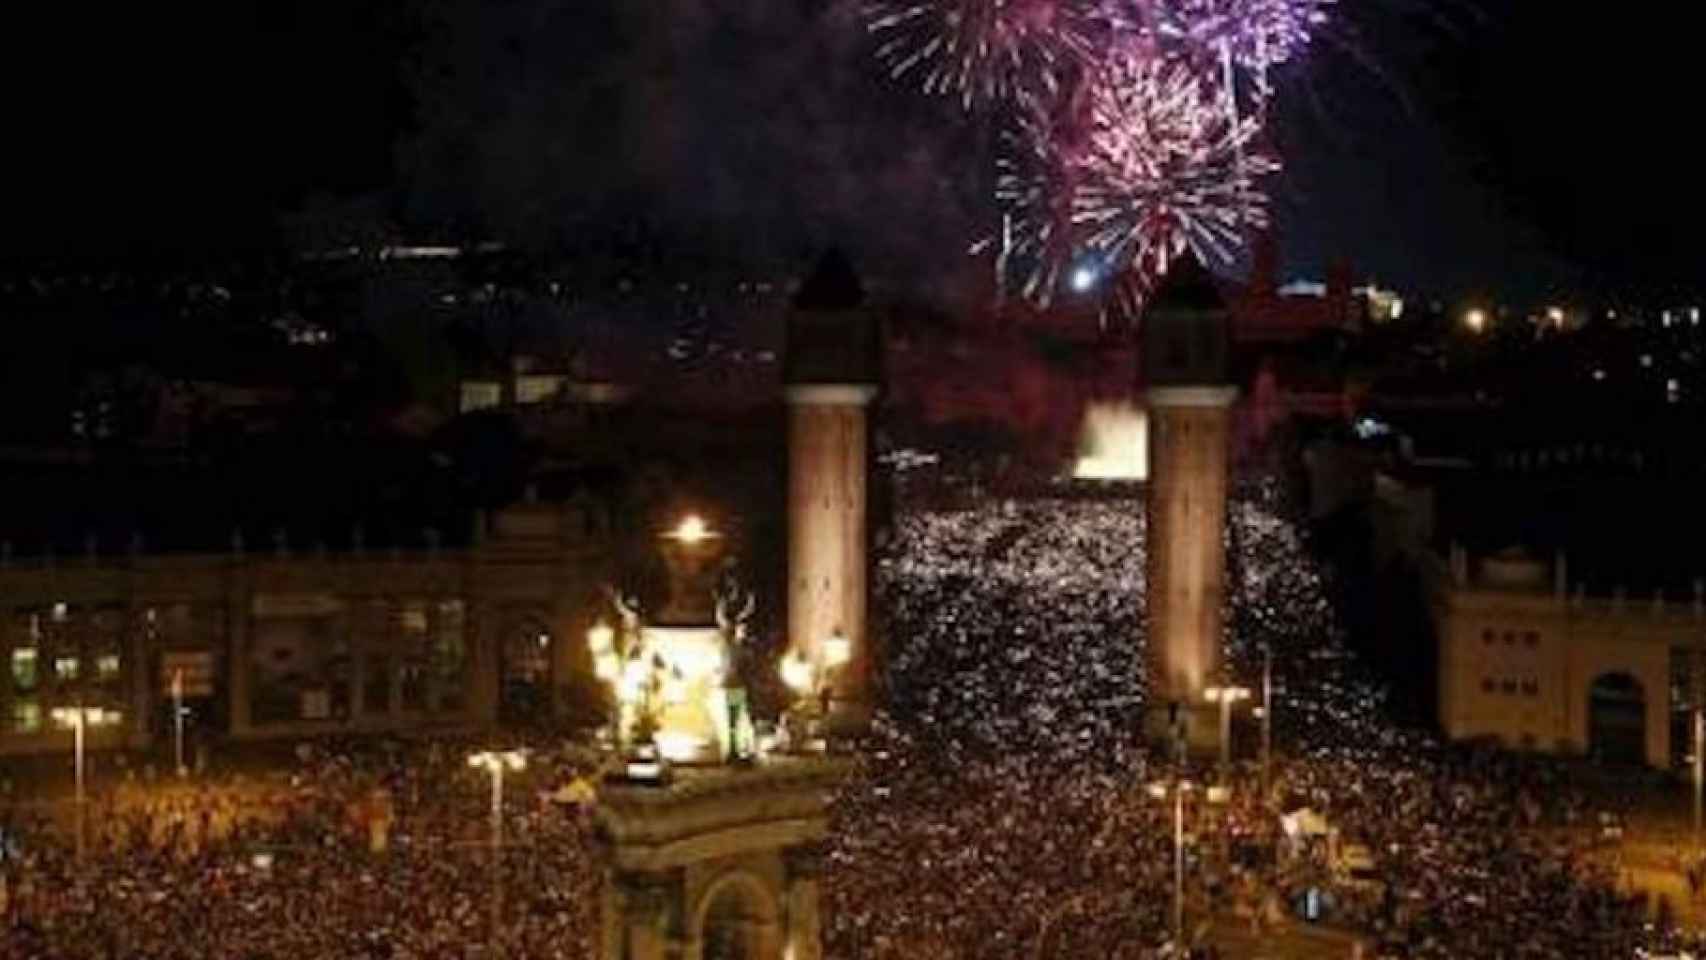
837 649
678 747
692 530
1083 280
797 672
495 760
1556 316
1225 694
1114 441
1475 320
600 639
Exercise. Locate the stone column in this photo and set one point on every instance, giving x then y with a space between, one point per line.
1188 454
803 926
827 524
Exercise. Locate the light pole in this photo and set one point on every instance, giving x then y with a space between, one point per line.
496 762
78 720
1699 769
178 719
1176 790
1226 696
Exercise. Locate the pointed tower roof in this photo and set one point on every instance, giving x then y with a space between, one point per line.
832 336
1187 329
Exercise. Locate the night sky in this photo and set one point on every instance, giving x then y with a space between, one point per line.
1514 148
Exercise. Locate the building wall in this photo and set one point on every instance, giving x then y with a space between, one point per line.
1519 663
300 644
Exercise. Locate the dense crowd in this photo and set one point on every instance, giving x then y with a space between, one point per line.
999 809
286 866
1003 808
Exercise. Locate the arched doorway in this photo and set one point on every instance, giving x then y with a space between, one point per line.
1617 719
526 676
738 920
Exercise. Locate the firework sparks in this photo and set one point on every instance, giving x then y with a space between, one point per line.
1257 35
984 51
1166 170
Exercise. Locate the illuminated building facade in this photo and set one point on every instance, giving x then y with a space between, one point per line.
1534 663
275 643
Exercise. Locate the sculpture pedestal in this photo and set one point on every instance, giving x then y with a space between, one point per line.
722 855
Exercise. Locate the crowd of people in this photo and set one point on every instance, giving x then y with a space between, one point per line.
358 850
1001 807
1005 809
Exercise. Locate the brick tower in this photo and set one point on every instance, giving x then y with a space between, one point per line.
832 367
1185 340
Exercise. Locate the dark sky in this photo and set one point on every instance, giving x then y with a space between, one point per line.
1505 145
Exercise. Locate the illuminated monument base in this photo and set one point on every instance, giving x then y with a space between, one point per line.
722 863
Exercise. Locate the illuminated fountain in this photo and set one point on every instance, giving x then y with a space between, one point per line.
1114 442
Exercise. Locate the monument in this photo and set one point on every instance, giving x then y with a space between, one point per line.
1185 341
833 362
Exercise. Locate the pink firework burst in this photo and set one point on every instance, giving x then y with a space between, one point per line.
1166 170
983 51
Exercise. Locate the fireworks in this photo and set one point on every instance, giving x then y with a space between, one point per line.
1162 168
1167 170
1256 35
983 51
1133 123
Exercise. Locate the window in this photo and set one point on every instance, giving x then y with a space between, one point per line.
1486 684
1510 638
26 716
24 672
1508 687
65 668
1531 639
1486 636
1531 688
106 666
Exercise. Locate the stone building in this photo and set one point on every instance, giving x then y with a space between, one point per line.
279 642
1534 664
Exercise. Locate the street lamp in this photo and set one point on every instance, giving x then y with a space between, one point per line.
78 720
1176 790
810 679
496 762
1226 696
692 531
